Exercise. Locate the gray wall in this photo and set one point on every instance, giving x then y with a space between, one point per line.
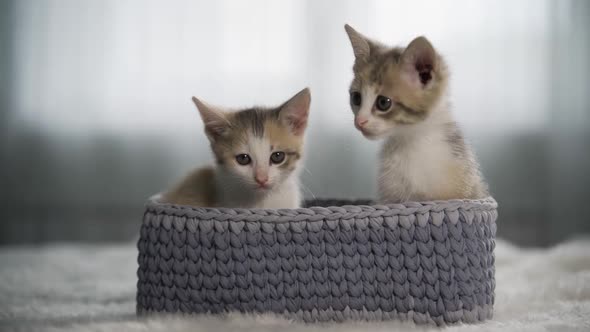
95 110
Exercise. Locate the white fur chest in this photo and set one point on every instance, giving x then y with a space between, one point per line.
414 169
232 194
287 196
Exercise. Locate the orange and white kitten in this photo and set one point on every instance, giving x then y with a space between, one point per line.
400 95
258 152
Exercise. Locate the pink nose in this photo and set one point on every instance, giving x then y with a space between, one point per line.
261 179
360 122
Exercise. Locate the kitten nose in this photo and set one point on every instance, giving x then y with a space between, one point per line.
361 122
261 178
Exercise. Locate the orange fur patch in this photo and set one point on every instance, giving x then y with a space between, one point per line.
197 189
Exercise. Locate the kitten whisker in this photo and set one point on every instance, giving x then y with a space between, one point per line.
305 169
305 188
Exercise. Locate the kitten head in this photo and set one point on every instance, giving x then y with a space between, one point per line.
393 87
258 147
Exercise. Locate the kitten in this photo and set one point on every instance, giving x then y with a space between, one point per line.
258 152
400 95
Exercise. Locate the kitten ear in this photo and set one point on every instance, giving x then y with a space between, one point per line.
295 111
360 43
419 60
215 120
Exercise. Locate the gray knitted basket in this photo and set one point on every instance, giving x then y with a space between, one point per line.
430 262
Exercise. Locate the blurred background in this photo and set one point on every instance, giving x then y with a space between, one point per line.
96 116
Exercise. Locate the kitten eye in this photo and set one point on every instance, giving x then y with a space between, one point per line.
356 98
277 157
383 103
243 159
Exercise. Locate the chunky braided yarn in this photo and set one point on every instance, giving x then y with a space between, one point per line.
430 262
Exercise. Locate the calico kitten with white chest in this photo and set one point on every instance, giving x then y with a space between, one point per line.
258 153
400 95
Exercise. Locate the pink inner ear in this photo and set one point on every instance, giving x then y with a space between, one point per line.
298 123
297 120
424 67
419 61
295 111
296 117
216 129
418 71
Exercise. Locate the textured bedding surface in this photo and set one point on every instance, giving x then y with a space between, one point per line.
92 288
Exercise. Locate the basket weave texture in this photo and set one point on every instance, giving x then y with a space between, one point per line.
428 262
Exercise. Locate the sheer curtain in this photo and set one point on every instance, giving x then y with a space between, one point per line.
98 114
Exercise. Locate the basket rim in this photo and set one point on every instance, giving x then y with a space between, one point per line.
154 205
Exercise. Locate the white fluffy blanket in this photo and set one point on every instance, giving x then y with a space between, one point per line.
92 288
